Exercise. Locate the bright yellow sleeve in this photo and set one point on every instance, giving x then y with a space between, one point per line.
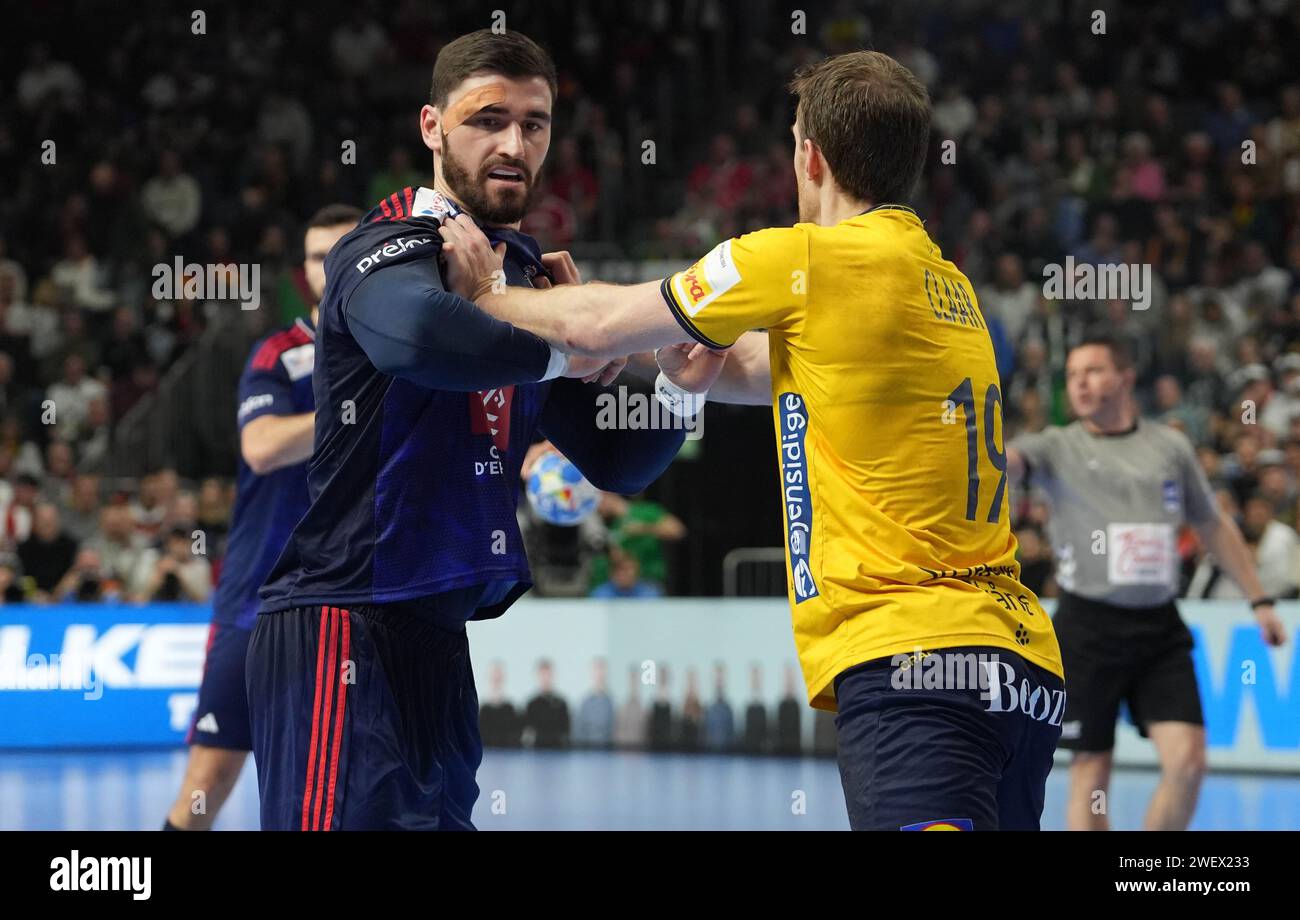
755 281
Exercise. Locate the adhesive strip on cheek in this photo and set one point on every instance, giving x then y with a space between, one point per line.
471 104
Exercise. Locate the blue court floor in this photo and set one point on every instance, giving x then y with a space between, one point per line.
581 790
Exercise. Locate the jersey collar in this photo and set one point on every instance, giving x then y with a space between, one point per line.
304 323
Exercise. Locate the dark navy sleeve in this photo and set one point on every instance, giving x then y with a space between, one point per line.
615 460
264 387
410 327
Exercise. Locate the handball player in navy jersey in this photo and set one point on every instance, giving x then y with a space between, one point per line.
276 419
363 707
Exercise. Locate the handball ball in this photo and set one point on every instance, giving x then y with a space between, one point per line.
559 493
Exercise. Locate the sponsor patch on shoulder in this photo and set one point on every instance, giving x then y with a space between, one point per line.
943 824
706 280
300 361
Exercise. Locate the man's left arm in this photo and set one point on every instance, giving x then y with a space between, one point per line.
1223 539
613 459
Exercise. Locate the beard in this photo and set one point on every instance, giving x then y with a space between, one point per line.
507 207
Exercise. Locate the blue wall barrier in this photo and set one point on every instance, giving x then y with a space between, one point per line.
125 675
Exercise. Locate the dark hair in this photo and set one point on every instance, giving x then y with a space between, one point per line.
511 54
334 214
1119 352
871 118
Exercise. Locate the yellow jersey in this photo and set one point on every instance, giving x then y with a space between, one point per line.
889 438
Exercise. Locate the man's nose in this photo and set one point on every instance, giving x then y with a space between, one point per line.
510 141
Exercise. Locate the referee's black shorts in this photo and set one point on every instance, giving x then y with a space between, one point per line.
1139 656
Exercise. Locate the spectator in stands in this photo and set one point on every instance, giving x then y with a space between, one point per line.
86 582
630 722
639 528
176 572
72 396
172 199
594 725
719 720
81 515
60 471
500 724
48 553
691 724
11 579
546 717
214 513
662 728
1276 549
16 514
82 276
625 581
149 510
755 740
1035 558
120 549
789 737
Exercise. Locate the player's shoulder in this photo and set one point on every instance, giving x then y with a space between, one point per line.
290 350
402 226
757 253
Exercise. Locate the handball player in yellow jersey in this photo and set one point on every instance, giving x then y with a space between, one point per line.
909 616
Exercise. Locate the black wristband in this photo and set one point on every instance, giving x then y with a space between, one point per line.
1262 602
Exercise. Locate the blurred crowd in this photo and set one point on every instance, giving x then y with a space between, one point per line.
1171 140
653 716
159 542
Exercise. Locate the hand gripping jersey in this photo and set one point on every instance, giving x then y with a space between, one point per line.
276 381
425 407
889 430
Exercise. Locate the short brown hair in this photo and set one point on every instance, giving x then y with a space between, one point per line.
334 214
871 118
511 54
1120 355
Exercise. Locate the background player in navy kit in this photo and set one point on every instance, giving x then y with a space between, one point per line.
276 424
363 707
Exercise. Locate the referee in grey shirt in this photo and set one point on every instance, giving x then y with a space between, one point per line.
1120 488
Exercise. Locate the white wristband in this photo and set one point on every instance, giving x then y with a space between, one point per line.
558 364
681 403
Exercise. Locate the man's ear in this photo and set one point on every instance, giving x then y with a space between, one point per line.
431 128
813 164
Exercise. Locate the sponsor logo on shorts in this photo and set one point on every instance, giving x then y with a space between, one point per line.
794 486
1003 693
943 824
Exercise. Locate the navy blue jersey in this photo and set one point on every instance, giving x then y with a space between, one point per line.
425 408
277 380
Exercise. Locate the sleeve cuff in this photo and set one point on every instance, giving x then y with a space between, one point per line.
682 320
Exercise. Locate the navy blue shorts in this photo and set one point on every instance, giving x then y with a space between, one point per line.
952 752
221 715
362 720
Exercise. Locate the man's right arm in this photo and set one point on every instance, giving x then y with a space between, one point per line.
1029 457
271 442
